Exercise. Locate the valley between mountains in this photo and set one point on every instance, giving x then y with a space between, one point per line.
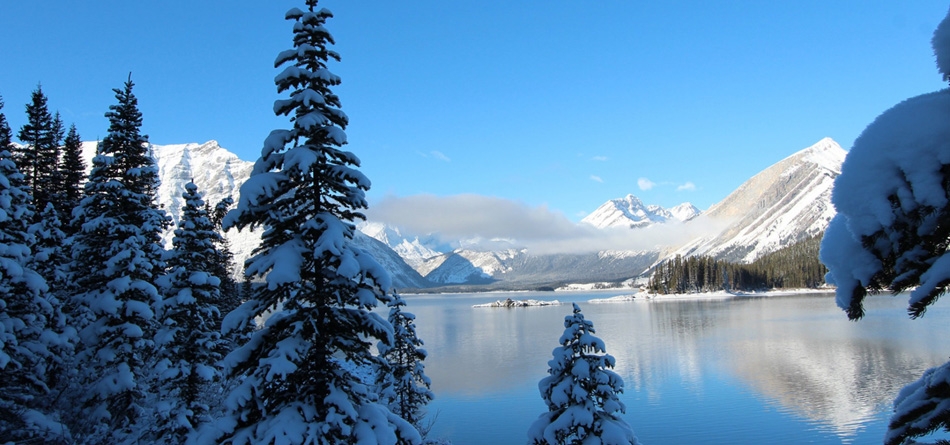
783 204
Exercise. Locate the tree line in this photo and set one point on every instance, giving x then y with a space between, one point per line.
107 336
795 266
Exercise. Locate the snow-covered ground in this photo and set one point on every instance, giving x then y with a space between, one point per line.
645 296
509 303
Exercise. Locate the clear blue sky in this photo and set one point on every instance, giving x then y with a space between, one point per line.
554 105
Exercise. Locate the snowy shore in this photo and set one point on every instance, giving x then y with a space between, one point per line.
645 296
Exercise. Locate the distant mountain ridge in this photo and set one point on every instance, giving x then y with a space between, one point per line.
784 203
630 212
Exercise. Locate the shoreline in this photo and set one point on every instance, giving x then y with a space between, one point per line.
717 295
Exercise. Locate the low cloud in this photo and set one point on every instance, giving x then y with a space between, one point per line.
537 228
645 184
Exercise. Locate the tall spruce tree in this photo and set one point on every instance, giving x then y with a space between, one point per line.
223 262
72 171
35 134
189 339
117 254
306 192
6 134
405 386
581 392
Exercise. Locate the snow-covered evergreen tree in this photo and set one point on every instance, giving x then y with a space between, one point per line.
25 313
305 191
405 386
117 256
189 339
891 229
581 392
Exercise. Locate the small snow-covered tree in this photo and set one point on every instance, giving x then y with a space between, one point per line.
297 384
892 229
404 384
117 256
581 392
189 338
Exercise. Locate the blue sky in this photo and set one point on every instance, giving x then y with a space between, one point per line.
557 106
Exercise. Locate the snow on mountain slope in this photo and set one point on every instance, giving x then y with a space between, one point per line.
685 211
414 252
783 204
218 174
467 266
403 275
630 212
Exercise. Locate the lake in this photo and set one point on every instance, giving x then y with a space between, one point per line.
775 369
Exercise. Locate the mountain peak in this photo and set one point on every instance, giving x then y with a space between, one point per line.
779 206
630 211
825 153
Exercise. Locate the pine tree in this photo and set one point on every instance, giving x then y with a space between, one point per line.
48 185
297 387
35 134
405 386
25 313
189 338
581 392
72 171
222 265
117 257
6 135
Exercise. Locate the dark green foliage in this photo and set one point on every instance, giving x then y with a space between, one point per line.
38 160
36 134
72 173
118 256
222 265
795 266
6 135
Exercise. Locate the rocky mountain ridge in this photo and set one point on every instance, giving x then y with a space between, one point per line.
784 203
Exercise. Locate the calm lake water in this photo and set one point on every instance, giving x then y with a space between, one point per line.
778 369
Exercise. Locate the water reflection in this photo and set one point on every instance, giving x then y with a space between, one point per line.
795 363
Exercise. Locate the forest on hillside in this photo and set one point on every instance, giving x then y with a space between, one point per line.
795 266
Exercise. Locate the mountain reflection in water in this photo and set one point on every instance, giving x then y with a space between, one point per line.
780 369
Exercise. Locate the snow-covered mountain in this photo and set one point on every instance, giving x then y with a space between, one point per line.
777 207
414 251
630 212
783 204
217 172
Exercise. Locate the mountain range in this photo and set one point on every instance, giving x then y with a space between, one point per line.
783 204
